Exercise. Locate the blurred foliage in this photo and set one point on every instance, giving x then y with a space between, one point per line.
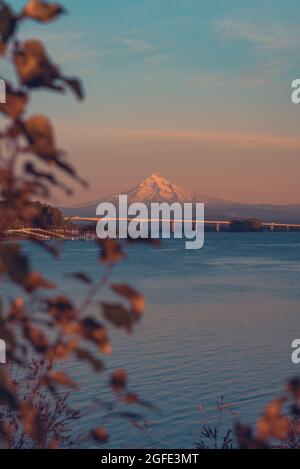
41 323
46 217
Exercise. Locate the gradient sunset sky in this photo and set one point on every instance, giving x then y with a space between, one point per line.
198 90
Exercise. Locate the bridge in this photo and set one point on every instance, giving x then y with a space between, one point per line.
217 224
81 232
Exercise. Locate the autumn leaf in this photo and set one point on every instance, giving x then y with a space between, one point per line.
111 250
118 380
31 419
100 435
58 377
95 332
134 399
82 277
293 387
118 315
246 439
54 442
42 11
62 350
85 355
14 262
36 337
35 281
8 22
61 309
39 133
16 102
7 391
131 399
36 70
133 296
16 310
273 424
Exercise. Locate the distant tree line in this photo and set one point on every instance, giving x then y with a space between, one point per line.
43 216
246 225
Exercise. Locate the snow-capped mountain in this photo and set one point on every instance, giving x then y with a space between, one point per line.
157 188
154 188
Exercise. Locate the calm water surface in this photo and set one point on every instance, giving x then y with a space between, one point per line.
219 321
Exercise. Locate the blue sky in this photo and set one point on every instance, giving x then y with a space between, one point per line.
160 72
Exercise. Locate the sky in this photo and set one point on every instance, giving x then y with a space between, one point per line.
197 90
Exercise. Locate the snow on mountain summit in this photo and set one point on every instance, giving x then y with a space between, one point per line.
156 188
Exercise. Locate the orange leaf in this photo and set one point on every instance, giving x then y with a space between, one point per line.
134 297
111 250
35 281
118 380
42 11
61 378
118 316
100 435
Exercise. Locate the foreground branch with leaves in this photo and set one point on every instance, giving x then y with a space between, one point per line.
40 324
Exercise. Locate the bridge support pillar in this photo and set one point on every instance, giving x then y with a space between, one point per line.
218 227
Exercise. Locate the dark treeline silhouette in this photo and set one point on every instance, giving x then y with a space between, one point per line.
44 216
246 225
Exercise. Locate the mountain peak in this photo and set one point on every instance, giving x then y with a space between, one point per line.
156 188
157 177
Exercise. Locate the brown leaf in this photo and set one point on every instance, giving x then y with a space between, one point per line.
31 420
16 310
293 387
2 48
39 132
16 102
134 297
118 380
100 435
111 250
94 331
36 70
134 399
118 315
273 424
36 337
42 11
67 168
54 442
35 281
62 350
58 377
82 277
246 439
131 399
8 22
14 262
7 392
87 356
61 309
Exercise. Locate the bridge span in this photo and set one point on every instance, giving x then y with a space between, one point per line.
217 224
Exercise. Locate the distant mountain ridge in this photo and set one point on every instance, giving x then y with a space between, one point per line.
157 188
